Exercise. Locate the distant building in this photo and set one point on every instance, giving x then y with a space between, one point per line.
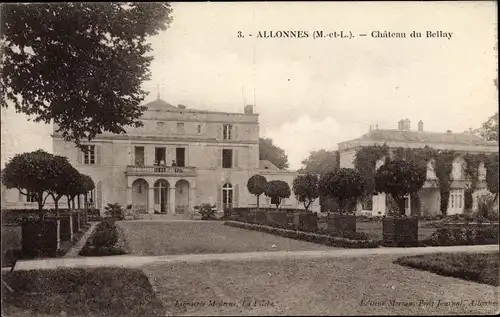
403 136
180 158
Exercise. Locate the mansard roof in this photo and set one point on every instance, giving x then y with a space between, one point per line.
388 135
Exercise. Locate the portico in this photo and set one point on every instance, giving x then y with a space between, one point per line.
159 194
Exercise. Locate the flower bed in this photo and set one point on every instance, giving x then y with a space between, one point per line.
463 236
307 236
482 268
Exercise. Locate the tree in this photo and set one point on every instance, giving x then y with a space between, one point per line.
489 129
64 179
79 65
277 191
257 186
399 178
272 153
305 188
88 185
346 185
320 162
32 173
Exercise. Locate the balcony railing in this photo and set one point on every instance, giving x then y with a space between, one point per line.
134 170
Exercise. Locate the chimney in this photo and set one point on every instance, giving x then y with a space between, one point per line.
249 109
405 125
181 106
420 125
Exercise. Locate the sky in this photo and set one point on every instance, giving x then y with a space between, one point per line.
314 93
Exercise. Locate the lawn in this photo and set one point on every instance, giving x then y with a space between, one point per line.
80 292
482 268
164 238
364 286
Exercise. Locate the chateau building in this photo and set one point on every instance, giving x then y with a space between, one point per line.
178 159
405 137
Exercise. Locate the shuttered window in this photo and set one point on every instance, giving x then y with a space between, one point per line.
90 154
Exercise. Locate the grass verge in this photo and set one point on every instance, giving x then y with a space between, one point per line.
482 268
78 291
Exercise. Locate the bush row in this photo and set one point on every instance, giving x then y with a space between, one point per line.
463 236
104 240
307 236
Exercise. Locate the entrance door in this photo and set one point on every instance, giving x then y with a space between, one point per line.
161 191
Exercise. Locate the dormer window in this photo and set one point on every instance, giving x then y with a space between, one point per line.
227 131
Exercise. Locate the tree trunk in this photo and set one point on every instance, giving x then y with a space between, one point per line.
258 196
78 201
85 201
73 202
401 205
69 202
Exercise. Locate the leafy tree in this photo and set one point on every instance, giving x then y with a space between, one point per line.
346 185
257 186
277 190
32 173
305 188
79 65
320 162
400 178
272 153
64 179
88 185
489 129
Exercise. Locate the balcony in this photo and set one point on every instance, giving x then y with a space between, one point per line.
186 171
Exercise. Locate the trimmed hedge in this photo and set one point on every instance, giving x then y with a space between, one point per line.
104 240
307 236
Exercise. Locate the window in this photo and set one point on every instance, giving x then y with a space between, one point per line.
199 128
227 195
160 156
180 128
139 155
180 156
88 153
227 158
227 131
452 201
460 201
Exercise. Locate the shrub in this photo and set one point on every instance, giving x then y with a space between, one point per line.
115 211
207 211
104 240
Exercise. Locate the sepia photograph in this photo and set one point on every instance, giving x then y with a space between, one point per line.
249 158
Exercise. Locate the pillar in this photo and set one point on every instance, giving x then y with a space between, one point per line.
151 200
129 195
192 200
171 200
